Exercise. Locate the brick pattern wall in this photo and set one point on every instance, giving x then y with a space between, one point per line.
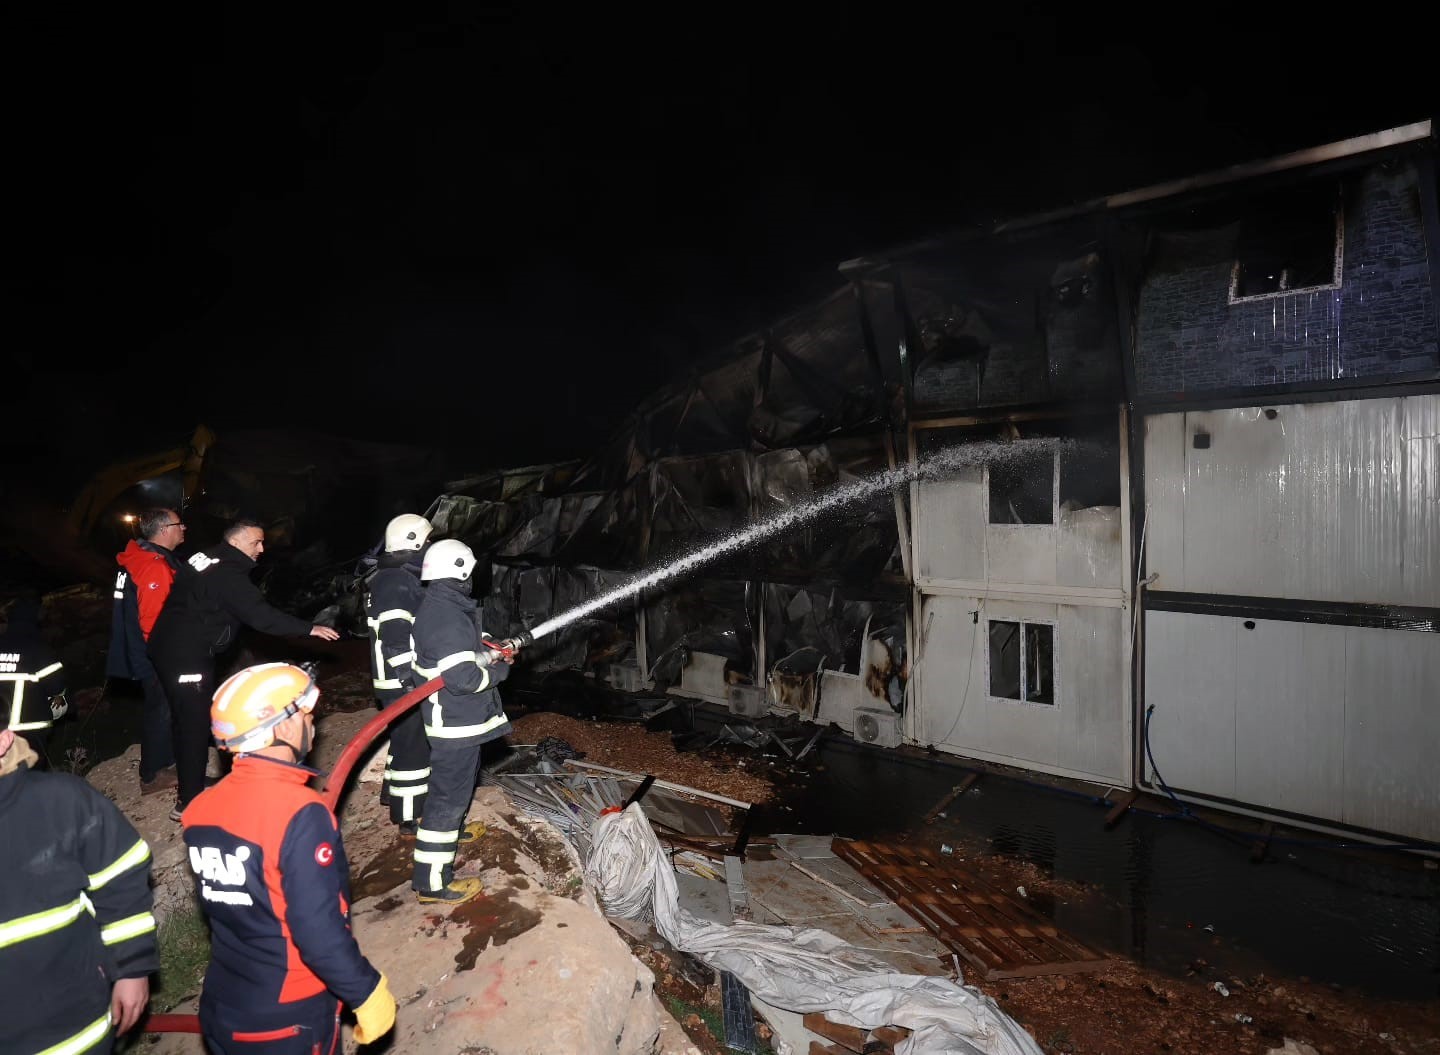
1381 321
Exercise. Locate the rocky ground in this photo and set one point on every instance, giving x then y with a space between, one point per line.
535 968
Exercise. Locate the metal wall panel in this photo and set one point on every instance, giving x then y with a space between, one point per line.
950 527
1392 731
1190 683
1322 501
1083 734
1290 716
1334 722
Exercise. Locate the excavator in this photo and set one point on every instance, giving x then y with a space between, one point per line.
108 484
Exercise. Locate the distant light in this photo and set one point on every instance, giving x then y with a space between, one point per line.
129 518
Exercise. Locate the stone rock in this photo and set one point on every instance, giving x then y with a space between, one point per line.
1293 1047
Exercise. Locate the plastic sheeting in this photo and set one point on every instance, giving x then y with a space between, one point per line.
801 969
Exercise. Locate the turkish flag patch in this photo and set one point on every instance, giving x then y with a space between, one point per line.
324 854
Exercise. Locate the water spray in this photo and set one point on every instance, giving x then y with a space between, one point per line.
932 467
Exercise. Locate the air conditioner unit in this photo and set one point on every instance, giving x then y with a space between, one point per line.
747 700
874 725
626 677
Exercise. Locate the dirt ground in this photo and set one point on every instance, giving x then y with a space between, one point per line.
1126 1010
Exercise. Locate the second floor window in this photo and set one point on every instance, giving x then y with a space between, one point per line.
1289 242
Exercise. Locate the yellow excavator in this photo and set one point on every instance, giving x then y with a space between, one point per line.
105 486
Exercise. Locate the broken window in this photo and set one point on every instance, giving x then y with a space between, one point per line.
1288 242
1022 488
1090 471
1022 661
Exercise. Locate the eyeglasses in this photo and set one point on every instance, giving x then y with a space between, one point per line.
175 523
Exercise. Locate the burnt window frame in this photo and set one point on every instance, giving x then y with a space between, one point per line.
1023 624
1054 499
1336 274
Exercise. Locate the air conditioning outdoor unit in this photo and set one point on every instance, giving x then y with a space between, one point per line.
878 726
747 700
626 677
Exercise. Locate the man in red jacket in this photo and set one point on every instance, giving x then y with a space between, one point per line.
273 881
147 568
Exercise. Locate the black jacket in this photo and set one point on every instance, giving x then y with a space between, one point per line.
31 675
71 856
211 599
447 642
392 597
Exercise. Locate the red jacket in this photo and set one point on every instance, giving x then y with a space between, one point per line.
274 883
152 575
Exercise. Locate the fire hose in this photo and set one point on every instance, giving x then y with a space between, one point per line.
340 776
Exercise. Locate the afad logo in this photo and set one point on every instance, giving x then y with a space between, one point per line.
324 854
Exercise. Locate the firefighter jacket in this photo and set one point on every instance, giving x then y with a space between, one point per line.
141 586
32 678
273 880
211 599
74 908
447 635
392 597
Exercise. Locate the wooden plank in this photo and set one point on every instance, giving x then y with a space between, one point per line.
950 796
851 1038
991 931
891 1035
1121 807
816 1048
1262 842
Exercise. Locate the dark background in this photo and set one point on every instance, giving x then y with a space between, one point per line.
495 232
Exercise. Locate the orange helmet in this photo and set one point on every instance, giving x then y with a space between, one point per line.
252 702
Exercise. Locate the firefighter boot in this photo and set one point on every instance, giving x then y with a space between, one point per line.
471 833
456 892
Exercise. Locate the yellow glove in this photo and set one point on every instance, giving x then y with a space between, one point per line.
376 1016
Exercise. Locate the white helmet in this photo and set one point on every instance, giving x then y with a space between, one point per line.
447 559
406 532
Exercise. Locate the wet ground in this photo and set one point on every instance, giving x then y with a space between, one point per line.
1164 892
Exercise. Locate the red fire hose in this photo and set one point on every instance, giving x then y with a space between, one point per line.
334 785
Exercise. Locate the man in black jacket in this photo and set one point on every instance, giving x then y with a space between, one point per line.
77 938
211 599
392 597
459 718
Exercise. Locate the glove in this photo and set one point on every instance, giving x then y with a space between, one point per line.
376 1016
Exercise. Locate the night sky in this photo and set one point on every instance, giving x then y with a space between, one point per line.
497 232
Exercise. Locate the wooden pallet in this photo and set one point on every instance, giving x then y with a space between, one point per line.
992 932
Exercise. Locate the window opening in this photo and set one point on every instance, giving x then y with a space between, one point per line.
1022 661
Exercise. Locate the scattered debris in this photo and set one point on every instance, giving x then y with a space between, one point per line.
1220 988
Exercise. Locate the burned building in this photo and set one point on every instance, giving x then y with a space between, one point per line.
1213 574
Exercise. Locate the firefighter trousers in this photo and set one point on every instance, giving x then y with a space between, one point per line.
454 766
407 768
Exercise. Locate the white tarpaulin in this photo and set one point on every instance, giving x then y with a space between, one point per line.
802 970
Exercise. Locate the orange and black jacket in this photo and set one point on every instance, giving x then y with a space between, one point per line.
272 877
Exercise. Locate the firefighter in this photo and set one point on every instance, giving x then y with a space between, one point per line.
147 570
273 881
392 597
77 939
464 714
32 678
211 599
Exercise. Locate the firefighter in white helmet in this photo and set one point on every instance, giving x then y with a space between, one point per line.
463 714
392 597
272 879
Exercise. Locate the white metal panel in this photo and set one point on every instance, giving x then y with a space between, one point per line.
1087 548
1190 683
1422 495
1085 734
1095 732
950 526
1323 501
1164 536
1392 731
1022 553
1290 716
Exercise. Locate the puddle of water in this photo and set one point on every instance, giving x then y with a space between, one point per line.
1363 921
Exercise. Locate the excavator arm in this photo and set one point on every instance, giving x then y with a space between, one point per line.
103 488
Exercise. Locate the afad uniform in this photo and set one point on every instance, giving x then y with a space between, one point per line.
32 679
75 912
464 714
271 874
392 597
